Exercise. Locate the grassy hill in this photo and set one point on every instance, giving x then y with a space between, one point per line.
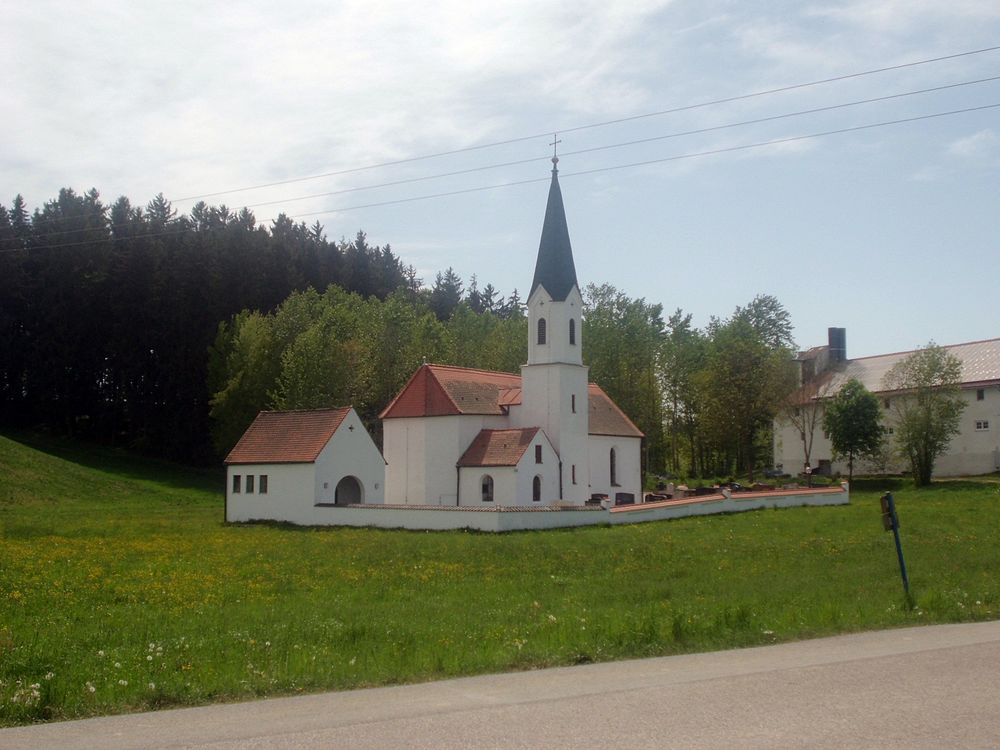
122 589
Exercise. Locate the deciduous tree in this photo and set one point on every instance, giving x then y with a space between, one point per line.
927 406
852 418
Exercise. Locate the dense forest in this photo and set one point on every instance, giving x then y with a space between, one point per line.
166 333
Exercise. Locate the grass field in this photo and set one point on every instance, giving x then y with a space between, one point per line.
121 588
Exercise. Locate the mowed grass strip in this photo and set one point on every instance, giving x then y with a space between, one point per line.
121 589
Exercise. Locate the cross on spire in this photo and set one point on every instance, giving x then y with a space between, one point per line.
555 146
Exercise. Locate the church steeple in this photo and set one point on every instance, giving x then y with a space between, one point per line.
554 393
554 267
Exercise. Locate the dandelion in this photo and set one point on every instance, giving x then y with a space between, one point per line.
152 686
552 618
118 665
90 687
351 662
149 657
101 652
49 675
123 683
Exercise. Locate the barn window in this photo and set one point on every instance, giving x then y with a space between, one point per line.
614 468
980 394
541 330
262 484
572 331
538 454
573 467
487 485
572 403
249 484
536 489
236 484
982 425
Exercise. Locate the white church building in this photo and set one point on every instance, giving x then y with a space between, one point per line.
464 437
542 449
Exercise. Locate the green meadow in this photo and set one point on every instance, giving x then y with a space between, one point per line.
121 589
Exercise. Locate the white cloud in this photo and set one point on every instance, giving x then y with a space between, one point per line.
982 145
902 16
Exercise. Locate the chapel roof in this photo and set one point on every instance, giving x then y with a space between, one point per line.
277 437
605 416
498 447
554 268
442 390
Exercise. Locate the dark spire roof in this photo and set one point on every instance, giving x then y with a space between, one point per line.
554 267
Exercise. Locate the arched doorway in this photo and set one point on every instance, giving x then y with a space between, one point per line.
348 491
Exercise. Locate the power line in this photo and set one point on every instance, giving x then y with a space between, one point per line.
577 128
647 162
652 139
678 157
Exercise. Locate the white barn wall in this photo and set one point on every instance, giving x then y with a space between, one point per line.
970 452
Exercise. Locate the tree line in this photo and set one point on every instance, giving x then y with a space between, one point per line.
107 312
140 327
704 400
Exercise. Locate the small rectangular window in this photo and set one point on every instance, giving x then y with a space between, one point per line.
890 431
572 403
538 454
236 484
980 394
982 425
574 473
249 484
262 484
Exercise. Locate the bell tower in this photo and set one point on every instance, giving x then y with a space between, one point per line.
554 381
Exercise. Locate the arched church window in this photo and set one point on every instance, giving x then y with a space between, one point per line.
541 330
572 331
614 468
536 489
487 485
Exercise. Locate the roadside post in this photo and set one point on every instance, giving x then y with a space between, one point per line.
890 522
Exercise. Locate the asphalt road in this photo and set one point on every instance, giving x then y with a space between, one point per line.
933 687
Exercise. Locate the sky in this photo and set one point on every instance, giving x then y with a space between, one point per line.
891 231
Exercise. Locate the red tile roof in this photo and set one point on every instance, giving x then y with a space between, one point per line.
605 416
498 447
440 390
283 437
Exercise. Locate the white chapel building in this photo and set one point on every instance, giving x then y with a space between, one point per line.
466 437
